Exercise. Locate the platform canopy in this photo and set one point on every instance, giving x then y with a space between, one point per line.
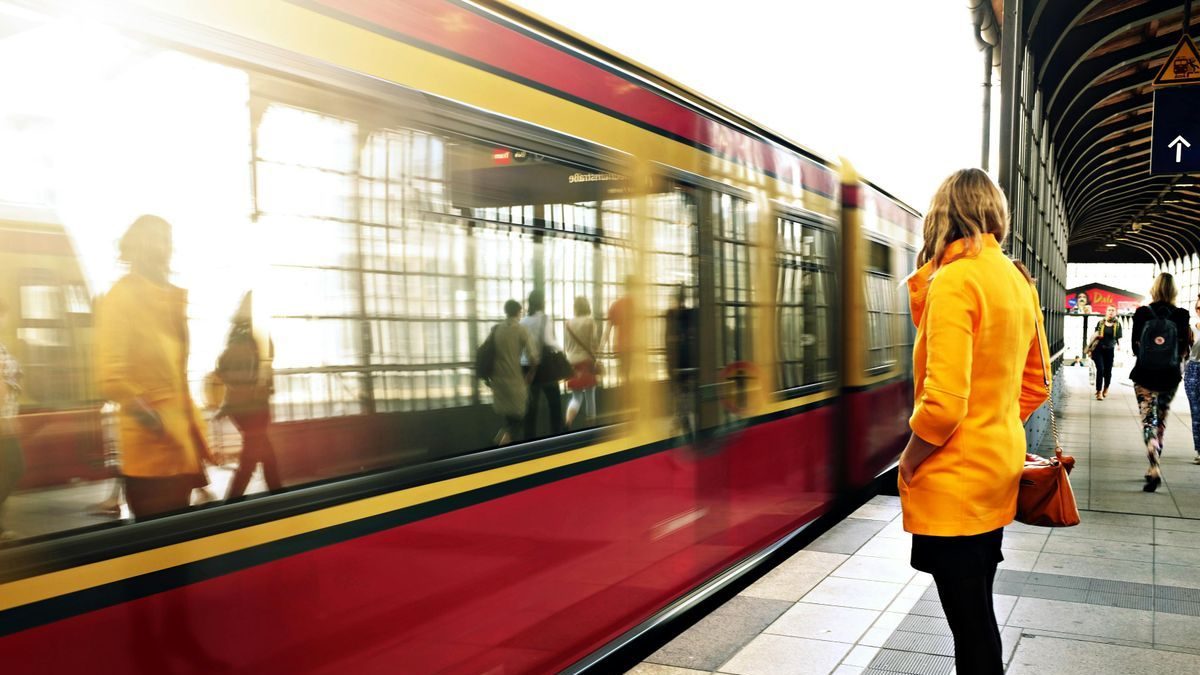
1085 73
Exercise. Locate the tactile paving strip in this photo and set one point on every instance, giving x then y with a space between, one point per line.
924 624
912 663
941 645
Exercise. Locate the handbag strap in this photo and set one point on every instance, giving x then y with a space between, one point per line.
579 342
1037 338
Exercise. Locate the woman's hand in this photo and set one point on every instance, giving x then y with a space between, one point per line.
915 454
147 416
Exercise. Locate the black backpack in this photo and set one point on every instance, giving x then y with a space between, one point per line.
485 357
1159 343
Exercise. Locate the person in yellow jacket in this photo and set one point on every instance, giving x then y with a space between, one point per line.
141 362
978 370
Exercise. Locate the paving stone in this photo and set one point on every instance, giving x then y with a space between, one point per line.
783 655
1097 568
1176 630
876 569
718 636
1075 657
822 622
857 593
847 536
1083 619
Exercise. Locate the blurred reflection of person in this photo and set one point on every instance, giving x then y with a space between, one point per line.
510 384
681 358
580 343
245 370
617 326
538 323
12 463
141 363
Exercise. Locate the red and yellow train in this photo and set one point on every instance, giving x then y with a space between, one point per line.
389 173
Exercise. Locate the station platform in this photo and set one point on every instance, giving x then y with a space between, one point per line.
1119 593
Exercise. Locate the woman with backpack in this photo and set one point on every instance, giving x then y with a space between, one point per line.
246 370
1161 339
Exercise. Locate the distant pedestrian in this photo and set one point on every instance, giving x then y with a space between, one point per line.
539 325
509 383
1191 384
245 368
1161 340
618 329
580 344
978 365
1104 348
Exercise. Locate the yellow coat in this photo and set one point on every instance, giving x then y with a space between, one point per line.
978 376
141 352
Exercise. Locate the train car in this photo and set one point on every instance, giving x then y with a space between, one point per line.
384 176
48 330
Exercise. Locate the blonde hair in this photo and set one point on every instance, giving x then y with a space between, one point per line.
966 206
1164 289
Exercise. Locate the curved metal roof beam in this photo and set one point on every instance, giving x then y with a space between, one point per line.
1119 119
1133 126
1099 33
1063 33
1124 190
1169 227
1121 166
1119 149
1102 67
1093 118
1093 104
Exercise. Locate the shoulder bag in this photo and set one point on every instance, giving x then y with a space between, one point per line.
554 365
1045 497
584 376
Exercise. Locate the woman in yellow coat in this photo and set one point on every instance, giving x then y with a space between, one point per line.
141 361
978 370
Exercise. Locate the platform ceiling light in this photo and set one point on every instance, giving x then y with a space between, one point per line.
1111 244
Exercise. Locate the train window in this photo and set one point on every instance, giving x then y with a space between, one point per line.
731 224
883 307
803 303
673 263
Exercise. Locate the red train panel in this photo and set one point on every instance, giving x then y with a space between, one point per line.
530 581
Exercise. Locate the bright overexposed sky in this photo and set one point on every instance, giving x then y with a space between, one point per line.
895 86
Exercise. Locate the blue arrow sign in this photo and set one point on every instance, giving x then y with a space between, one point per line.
1176 129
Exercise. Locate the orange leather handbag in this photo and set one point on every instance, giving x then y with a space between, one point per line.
1045 497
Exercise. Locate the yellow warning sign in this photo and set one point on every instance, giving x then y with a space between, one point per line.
1182 66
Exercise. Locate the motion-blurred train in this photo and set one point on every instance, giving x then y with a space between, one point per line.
385 175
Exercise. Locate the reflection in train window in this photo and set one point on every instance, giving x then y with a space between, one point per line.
804 296
883 307
673 249
731 226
